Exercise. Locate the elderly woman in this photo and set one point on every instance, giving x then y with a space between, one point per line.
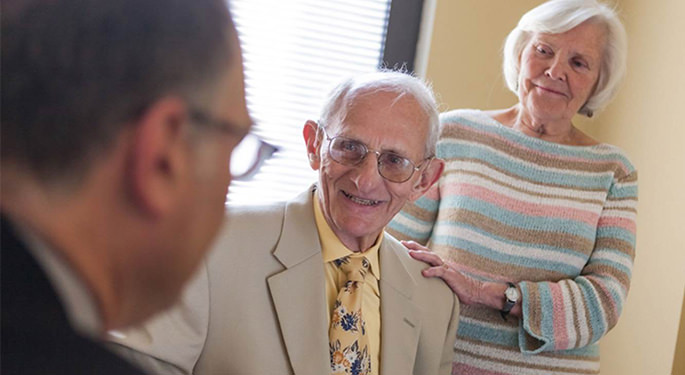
532 223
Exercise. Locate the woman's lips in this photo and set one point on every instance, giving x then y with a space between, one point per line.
547 89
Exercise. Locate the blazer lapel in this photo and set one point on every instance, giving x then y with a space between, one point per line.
298 292
400 322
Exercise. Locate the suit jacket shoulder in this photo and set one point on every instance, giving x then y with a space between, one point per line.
37 337
247 230
425 309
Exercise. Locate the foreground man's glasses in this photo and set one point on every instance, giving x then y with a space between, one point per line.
391 166
249 155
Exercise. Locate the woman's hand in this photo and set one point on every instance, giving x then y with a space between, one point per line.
465 287
469 290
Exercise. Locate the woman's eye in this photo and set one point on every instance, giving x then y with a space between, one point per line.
542 50
580 64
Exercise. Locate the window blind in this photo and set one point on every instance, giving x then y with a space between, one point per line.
294 52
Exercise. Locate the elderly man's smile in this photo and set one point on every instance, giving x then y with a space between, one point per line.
361 201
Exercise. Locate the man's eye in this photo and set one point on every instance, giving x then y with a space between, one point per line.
394 160
350 146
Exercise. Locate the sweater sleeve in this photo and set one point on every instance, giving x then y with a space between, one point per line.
573 313
416 220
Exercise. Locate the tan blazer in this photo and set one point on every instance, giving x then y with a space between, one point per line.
259 307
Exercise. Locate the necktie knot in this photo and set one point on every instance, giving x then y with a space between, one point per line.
355 268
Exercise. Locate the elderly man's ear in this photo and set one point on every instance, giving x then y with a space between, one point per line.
429 175
157 157
313 141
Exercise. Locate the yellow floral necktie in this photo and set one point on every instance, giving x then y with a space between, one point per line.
349 345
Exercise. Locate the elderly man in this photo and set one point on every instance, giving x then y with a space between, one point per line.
118 119
315 286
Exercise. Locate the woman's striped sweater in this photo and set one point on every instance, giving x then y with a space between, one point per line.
557 220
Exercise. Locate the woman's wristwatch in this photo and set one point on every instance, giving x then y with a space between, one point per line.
511 296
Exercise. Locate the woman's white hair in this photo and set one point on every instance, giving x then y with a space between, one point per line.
343 95
559 16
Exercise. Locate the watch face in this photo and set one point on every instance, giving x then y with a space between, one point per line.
512 294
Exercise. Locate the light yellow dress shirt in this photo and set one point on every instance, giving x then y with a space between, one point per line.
333 249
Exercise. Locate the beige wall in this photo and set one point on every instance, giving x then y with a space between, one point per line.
646 120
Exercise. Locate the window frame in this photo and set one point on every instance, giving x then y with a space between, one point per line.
402 34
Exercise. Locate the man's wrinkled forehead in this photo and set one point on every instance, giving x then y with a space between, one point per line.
388 108
363 97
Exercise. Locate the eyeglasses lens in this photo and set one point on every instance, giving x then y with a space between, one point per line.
391 166
394 167
249 155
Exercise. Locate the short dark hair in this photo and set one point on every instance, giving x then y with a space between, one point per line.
75 72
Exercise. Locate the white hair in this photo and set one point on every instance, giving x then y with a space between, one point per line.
559 16
401 83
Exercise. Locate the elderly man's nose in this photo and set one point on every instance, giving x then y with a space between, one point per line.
366 172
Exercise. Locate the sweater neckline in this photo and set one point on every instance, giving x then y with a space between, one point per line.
526 138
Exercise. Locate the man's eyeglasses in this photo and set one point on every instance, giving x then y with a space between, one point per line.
249 155
391 166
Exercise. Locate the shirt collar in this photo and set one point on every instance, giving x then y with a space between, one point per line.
332 248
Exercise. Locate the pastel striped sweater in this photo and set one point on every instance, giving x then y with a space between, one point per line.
557 220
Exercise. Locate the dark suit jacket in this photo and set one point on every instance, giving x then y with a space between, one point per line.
36 335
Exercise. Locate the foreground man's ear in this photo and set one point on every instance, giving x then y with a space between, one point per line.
158 160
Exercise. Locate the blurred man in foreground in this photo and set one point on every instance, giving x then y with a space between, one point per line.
118 123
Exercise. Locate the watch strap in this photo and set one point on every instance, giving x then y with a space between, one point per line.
508 304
